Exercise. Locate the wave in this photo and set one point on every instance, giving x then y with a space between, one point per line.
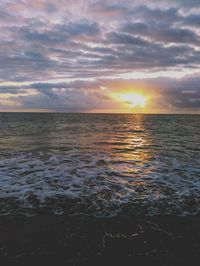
97 183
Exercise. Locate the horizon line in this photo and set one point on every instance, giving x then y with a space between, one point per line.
95 113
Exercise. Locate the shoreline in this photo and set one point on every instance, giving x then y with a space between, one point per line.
85 240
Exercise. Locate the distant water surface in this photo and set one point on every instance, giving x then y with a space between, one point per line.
99 164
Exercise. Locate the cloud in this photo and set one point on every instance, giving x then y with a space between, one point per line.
47 43
158 15
193 20
162 33
126 39
191 3
167 95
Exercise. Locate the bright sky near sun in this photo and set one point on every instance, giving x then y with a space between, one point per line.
100 56
134 100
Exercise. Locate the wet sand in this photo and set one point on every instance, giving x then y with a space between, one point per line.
84 240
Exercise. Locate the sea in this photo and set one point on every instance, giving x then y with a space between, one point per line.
101 165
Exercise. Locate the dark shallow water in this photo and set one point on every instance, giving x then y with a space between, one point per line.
98 164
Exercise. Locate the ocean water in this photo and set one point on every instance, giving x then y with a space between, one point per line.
99 164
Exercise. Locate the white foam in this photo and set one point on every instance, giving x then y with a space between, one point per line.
108 183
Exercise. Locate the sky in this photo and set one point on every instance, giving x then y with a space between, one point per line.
93 55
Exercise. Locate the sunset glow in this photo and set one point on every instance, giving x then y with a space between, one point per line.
134 100
98 56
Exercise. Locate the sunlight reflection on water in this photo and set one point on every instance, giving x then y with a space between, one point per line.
107 162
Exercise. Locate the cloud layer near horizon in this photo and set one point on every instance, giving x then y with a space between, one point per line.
73 55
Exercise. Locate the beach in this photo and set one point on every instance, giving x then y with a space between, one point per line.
65 240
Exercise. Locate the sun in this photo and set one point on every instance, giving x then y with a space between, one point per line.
134 100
